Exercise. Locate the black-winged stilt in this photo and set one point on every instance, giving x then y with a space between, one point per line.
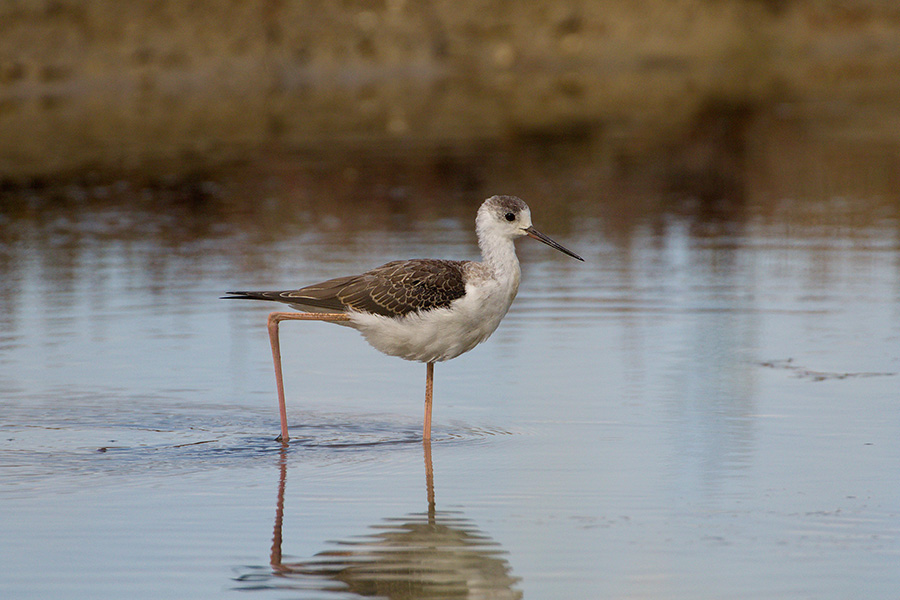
426 310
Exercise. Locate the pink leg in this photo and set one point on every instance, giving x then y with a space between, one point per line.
429 388
429 480
274 319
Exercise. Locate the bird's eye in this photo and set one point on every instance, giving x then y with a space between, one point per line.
510 217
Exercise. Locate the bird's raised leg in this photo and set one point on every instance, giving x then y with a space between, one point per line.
429 388
274 319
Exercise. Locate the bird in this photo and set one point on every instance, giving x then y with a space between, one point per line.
425 310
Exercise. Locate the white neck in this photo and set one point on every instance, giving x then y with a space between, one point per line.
498 253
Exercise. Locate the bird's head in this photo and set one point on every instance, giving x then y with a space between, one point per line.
509 217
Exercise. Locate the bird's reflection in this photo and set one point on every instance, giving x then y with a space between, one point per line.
434 554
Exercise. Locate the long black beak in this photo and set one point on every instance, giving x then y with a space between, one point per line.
537 235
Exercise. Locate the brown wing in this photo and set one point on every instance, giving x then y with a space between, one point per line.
395 288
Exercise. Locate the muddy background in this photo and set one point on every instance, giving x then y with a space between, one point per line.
171 92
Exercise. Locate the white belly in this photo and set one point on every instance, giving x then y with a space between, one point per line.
439 334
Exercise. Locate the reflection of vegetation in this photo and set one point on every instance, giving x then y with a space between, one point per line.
435 554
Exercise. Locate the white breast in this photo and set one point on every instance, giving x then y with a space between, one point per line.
444 333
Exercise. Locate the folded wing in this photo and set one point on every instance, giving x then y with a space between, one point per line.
393 289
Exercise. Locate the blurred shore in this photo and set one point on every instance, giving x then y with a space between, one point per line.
101 89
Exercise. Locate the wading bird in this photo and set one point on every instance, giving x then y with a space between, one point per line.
426 310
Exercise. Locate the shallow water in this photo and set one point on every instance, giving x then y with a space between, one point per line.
705 408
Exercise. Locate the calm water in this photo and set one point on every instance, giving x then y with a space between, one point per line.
706 408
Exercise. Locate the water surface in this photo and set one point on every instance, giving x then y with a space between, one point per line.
705 408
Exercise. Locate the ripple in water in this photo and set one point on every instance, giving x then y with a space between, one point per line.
157 438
